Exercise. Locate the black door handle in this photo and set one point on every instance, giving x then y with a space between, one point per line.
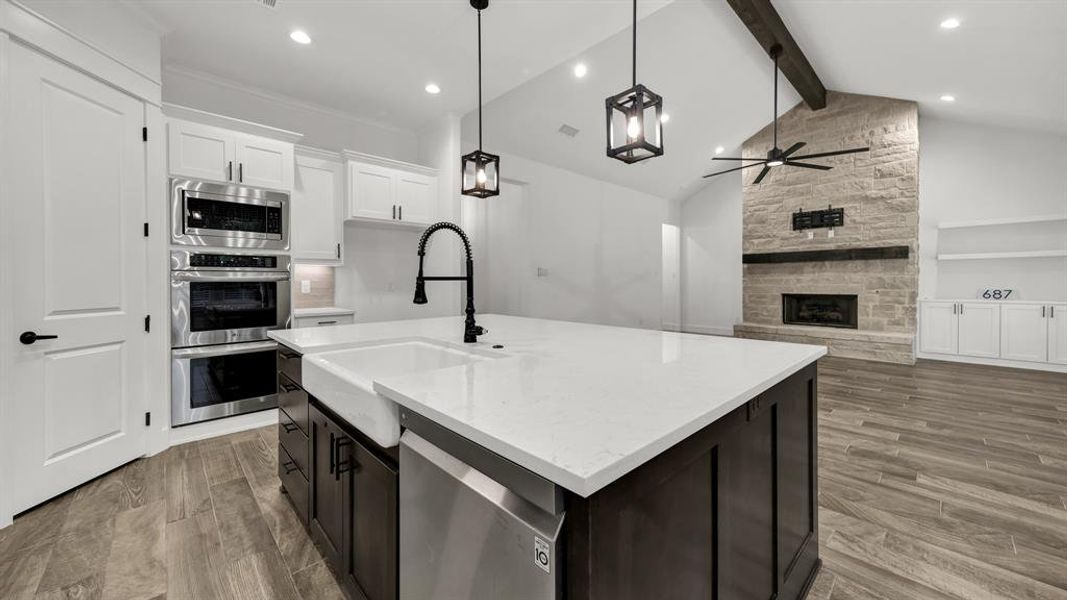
29 337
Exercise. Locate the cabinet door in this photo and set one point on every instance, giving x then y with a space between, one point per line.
938 331
371 191
416 197
371 527
1057 334
201 152
265 163
327 489
1024 332
316 210
979 329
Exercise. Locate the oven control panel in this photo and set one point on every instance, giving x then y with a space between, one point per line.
233 261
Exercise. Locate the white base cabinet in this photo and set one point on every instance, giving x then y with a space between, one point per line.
383 190
1014 333
317 207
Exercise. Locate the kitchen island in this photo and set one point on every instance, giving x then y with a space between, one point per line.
676 465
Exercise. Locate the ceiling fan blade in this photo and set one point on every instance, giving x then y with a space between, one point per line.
762 174
736 158
794 148
807 165
732 170
834 153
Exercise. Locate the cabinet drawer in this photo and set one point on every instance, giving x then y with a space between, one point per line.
294 401
289 363
293 440
296 486
323 321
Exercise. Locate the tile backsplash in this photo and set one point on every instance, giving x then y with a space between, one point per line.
318 280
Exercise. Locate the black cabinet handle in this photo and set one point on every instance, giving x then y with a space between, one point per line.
401 212
394 211
29 337
333 456
340 464
229 171
289 466
338 250
240 172
289 427
287 355
288 387
327 322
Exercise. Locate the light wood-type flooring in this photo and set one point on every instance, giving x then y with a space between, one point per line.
937 481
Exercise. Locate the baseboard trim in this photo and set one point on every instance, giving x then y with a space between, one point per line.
203 431
995 362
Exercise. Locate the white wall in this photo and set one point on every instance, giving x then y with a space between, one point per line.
322 127
599 245
711 257
970 171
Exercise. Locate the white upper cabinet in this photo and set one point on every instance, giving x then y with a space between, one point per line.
264 163
200 151
317 207
1057 334
979 329
212 153
939 327
372 191
1024 332
385 190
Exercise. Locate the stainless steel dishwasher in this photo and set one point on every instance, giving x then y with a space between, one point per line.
473 525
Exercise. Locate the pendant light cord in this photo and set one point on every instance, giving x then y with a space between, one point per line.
635 45
480 79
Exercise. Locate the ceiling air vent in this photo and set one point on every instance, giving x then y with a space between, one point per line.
267 3
567 130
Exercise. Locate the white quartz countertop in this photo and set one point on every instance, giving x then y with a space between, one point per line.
322 311
581 405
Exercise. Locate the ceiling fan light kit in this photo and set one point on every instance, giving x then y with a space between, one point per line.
479 170
634 118
776 157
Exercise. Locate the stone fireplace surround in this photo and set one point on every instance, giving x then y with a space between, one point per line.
879 192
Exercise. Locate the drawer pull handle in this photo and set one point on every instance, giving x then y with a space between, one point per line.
287 355
327 322
289 427
289 387
339 464
289 466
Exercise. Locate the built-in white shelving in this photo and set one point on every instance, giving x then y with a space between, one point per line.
1001 255
1002 221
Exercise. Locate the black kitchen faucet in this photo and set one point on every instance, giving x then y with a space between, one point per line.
471 330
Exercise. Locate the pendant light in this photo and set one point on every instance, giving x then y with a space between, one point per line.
480 171
635 128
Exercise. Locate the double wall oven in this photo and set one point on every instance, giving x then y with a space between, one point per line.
230 285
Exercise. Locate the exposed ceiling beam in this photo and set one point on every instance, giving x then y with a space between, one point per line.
767 27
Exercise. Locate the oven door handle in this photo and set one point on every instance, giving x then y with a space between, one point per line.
217 276
222 350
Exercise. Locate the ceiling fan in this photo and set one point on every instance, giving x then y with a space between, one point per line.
777 157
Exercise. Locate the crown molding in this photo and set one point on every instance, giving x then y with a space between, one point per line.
281 99
185 113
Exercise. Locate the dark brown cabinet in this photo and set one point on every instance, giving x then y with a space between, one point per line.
353 520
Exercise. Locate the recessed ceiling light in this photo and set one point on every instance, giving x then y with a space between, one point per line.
664 118
432 88
948 98
719 150
580 70
950 23
300 36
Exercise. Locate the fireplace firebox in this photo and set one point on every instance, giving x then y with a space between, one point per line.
822 310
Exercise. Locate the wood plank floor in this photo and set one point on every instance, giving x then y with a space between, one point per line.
938 480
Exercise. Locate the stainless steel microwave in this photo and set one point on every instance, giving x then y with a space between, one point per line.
228 216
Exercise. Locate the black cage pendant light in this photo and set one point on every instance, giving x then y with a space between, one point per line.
480 170
635 131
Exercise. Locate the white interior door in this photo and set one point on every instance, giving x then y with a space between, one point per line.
1024 332
938 331
979 329
75 181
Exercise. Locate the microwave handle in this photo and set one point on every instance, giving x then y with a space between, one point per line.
233 276
222 350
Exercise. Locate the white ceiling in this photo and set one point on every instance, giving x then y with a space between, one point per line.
372 58
1006 64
